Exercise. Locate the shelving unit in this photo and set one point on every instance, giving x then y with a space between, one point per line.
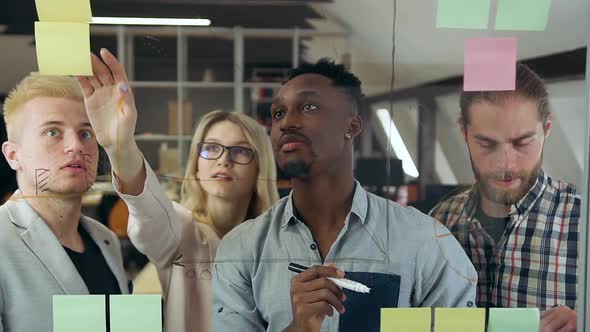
125 52
161 137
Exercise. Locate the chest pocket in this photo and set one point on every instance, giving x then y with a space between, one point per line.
363 311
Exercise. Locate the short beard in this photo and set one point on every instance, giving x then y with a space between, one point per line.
503 196
296 169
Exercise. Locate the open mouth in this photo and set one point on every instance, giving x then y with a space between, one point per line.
74 166
222 177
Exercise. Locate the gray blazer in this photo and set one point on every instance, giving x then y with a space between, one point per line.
34 267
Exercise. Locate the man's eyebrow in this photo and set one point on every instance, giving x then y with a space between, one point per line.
524 136
301 94
61 123
52 123
484 138
519 138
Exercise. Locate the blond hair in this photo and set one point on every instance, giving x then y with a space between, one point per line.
36 85
194 196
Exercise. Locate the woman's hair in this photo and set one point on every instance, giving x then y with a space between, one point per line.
194 196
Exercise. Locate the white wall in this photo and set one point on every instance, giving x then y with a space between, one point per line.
423 52
564 149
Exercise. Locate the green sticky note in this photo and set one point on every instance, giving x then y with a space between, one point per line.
63 48
405 319
64 11
531 15
513 320
459 319
136 313
463 14
75 313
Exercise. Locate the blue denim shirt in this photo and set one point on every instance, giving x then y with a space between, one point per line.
406 257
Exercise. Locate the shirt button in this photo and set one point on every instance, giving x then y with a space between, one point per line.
206 275
313 246
220 309
469 304
107 242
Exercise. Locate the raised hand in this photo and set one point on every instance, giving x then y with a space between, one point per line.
111 110
109 103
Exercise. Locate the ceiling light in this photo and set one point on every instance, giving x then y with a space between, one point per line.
396 141
151 21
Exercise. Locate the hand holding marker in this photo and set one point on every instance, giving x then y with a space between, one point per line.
340 282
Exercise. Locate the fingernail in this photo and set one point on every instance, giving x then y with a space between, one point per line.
124 87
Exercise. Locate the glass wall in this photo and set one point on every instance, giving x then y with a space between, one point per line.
473 112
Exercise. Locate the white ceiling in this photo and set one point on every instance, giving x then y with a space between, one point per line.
423 52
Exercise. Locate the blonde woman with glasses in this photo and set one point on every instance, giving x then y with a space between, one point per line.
230 177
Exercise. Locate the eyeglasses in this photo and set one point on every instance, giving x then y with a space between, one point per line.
237 154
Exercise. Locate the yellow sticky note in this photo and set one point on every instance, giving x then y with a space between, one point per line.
64 11
405 319
63 48
459 319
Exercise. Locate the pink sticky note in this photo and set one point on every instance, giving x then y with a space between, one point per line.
490 64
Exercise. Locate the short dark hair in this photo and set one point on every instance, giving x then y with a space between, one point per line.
339 75
528 85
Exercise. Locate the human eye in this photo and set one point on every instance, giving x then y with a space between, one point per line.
211 147
308 107
523 143
242 150
277 114
86 134
486 144
51 132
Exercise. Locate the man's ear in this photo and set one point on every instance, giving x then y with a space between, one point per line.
547 126
9 149
355 127
463 129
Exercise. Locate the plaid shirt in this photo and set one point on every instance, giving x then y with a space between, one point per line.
534 263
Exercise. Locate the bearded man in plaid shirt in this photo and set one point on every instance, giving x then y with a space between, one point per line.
518 225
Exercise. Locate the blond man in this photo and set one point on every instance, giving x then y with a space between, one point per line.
48 247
